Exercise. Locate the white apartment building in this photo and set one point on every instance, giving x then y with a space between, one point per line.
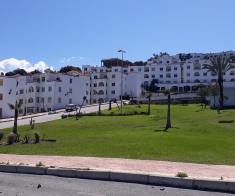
181 74
42 92
51 91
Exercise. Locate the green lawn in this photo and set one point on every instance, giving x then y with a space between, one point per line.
196 136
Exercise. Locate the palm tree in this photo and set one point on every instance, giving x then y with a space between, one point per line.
16 108
168 119
219 65
83 101
147 91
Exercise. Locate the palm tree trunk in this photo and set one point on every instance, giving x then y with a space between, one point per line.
15 121
149 101
168 121
99 108
221 91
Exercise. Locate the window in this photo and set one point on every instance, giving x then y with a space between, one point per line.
87 92
213 74
49 88
70 101
153 76
161 76
30 100
21 91
188 74
168 68
1 82
113 84
43 89
37 99
205 74
131 69
168 75
113 92
1 96
175 75
146 76
49 100
101 92
38 89
59 89
21 101
161 68
95 85
113 75
70 80
125 70
31 89
101 84
59 99
116 70
196 74
43 79
139 69
95 77
42 99
188 67
153 68
70 90
146 69
175 68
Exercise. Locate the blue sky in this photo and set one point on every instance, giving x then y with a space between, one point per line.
59 32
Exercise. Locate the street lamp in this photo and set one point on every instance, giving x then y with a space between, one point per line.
121 51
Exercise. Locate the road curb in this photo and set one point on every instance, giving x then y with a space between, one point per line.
188 183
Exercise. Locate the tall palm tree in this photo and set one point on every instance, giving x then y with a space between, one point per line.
16 108
219 65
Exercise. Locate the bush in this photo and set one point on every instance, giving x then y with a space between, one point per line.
181 175
37 137
1 135
11 138
26 139
40 164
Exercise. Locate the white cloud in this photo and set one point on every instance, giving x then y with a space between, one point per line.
12 64
67 60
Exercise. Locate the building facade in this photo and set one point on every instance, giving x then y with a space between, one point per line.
43 92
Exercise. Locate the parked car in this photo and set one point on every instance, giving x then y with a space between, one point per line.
70 108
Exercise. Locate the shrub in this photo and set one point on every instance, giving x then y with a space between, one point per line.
1 135
26 139
37 137
40 164
11 138
181 175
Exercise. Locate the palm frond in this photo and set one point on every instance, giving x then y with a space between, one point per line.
11 106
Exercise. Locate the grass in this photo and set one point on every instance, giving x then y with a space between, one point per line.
196 136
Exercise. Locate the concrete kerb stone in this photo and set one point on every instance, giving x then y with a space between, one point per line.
171 181
221 186
8 168
212 185
92 174
129 177
62 172
31 170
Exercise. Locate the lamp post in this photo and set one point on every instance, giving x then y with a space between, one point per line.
122 52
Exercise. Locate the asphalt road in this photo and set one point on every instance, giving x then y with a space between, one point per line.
50 117
28 185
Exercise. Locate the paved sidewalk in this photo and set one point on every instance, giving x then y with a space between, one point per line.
200 171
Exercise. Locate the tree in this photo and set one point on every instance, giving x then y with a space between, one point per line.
219 65
148 90
16 108
79 112
68 68
21 72
203 92
168 119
